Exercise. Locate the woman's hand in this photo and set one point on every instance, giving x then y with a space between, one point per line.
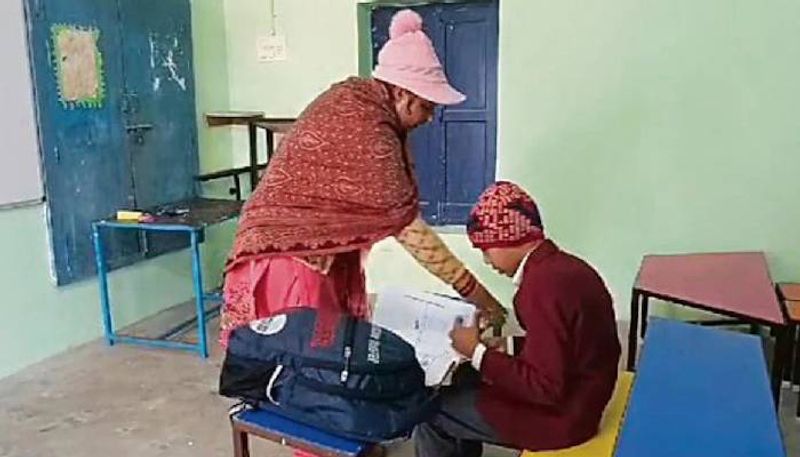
491 313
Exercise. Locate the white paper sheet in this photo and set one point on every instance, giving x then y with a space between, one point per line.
425 320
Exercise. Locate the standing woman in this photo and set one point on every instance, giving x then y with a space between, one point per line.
342 180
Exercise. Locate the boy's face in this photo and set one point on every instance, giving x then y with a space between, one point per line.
503 260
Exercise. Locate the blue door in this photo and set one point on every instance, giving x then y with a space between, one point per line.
110 138
159 96
455 154
80 128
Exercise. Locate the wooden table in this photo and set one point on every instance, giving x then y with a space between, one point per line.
735 284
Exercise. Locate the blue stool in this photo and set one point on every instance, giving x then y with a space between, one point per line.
273 427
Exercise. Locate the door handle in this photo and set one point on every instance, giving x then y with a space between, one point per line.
138 127
137 131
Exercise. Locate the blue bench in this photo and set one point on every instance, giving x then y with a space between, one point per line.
286 432
700 392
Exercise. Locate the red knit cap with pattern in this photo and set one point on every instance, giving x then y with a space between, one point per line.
505 216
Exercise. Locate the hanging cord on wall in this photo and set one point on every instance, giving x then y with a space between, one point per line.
273 17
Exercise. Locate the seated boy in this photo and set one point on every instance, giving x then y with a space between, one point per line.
546 390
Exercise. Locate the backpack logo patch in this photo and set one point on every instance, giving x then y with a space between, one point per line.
269 326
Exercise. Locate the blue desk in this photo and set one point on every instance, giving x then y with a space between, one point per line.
700 392
202 212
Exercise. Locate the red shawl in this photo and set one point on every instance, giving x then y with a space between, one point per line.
340 180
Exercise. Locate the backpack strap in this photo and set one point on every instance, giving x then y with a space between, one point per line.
349 340
275 373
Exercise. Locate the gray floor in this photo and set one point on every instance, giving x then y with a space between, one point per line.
96 401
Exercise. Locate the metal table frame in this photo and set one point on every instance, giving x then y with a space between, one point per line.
194 229
253 120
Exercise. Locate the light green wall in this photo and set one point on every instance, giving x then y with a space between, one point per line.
212 80
321 43
655 126
37 319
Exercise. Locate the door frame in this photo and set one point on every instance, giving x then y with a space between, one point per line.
364 25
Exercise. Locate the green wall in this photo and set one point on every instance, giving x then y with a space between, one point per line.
655 126
321 50
213 83
37 319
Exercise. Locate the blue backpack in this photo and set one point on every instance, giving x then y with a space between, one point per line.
367 385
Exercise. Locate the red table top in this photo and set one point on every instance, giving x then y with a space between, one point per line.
732 283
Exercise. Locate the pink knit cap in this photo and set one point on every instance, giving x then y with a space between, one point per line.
408 60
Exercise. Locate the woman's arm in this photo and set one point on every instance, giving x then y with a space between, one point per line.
429 250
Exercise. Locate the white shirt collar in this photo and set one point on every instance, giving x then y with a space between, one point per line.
521 268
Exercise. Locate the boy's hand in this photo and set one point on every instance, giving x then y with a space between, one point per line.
465 339
497 343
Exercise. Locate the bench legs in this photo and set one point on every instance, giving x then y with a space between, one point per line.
241 445
783 343
795 370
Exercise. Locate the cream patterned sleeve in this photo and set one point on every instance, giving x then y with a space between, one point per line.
425 245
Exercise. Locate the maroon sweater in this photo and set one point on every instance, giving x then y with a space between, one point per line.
551 394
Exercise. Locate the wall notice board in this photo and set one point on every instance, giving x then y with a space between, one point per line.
20 177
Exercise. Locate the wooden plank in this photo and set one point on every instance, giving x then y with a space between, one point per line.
793 309
275 125
222 118
790 291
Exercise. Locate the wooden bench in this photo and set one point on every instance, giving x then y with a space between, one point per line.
601 445
700 392
286 432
